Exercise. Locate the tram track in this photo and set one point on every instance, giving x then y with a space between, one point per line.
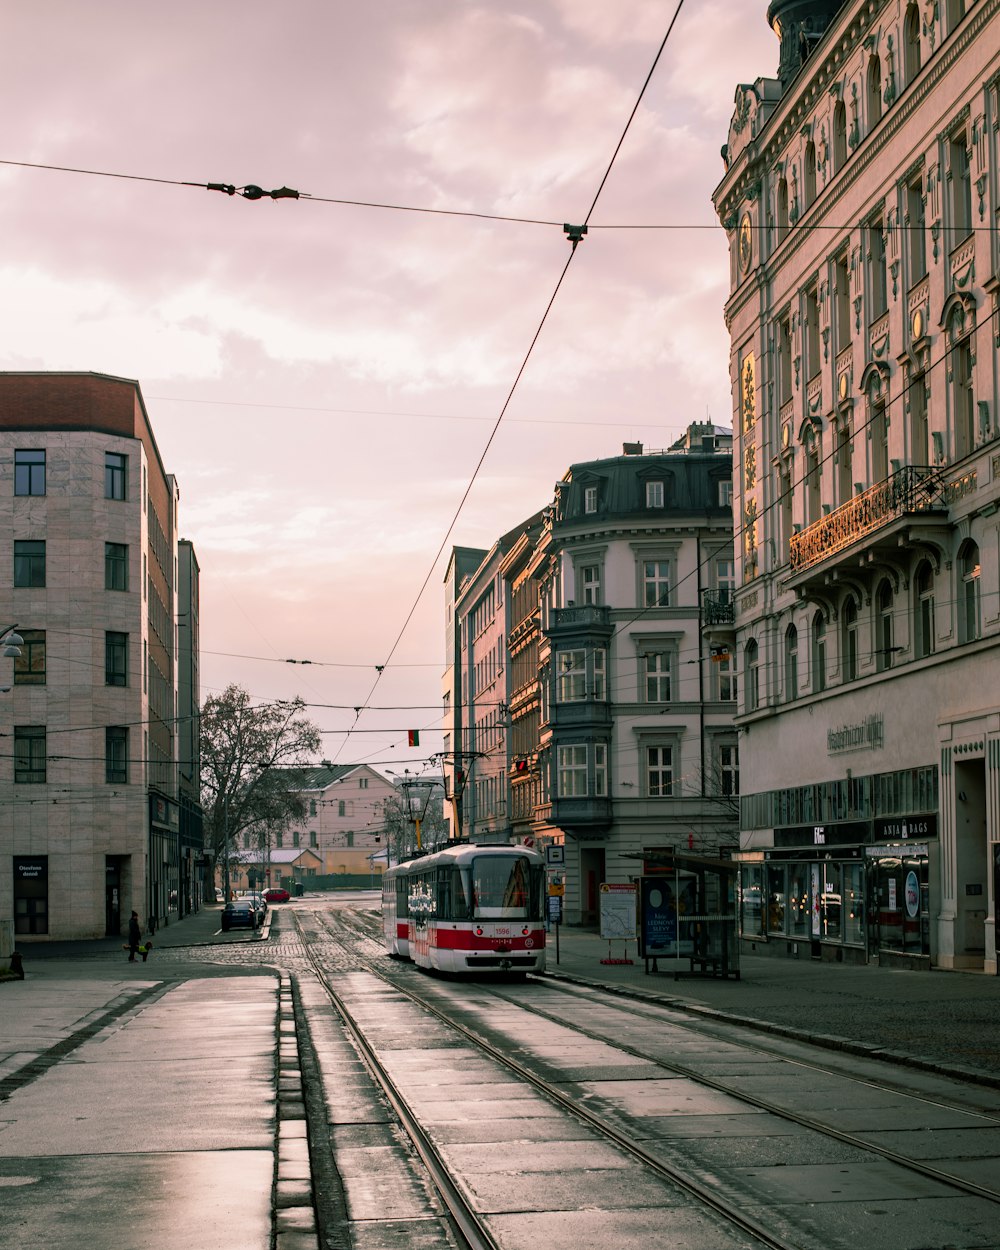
360 929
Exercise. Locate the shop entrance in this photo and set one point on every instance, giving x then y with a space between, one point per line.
971 864
591 876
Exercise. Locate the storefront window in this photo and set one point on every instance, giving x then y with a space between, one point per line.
854 905
830 903
751 895
776 898
901 894
798 900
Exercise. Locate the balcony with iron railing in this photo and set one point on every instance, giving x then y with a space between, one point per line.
888 516
718 607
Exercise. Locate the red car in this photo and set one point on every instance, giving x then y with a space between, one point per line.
277 894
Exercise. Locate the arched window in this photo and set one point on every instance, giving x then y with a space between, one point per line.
751 674
911 44
970 569
839 136
812 470
962 398
809 174
781 209
849 640
874 92
924 610
883 628
818 653
791 662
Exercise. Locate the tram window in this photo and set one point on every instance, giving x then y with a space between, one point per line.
444 876
460 894
500 886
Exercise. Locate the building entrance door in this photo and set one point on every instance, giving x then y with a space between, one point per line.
112 895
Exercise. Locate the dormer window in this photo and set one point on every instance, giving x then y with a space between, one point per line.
590 499
654 494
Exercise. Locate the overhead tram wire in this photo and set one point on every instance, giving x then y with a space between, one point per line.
575 233
252 192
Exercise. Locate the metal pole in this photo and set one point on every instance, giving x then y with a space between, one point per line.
225 845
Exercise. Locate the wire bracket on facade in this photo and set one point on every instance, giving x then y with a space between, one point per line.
574 233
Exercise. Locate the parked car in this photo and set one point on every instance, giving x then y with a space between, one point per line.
276 894
242 913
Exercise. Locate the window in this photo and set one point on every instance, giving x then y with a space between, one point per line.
726 681
751 674
654 494
726 493
845 464
781 210
849 640
296 838
362 783
116 755
572 764
659 772
839 136
590 499
924 610
314 838
920 442
725 579
969 624
791 662
916 230
115 566
581 674
818 653
809 174
657 674
29 472
842 297
911 44
590 583
880 442
813 477
954 11
878 291
341 807
811 330
784 360
29 562
115 659
29 754
729 769
883 628
960 176
115 475
962 398
600 769
29 666
874 81
279 840
655 583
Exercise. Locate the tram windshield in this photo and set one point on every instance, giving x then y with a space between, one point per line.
500 886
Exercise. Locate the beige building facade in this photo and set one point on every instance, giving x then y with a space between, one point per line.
860 197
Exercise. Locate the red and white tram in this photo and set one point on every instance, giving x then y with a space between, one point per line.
467 909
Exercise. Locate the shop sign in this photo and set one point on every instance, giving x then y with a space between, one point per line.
886 850
164 812
842 833
865 735
29 868
903 827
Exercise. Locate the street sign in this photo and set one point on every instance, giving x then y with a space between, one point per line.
555 908
555 854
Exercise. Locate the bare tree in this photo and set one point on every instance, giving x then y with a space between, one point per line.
244 748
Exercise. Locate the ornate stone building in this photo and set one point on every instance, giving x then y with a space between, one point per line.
860 198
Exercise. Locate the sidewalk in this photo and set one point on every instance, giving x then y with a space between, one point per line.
940 1020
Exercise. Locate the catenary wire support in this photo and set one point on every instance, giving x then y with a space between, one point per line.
250 191
574 233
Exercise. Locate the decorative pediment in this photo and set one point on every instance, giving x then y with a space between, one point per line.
959 307
875 378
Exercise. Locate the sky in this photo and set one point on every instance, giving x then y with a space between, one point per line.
324 378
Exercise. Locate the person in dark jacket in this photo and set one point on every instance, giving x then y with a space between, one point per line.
134 936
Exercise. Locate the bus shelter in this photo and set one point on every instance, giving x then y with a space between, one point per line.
687 914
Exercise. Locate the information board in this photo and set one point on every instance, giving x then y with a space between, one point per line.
618 911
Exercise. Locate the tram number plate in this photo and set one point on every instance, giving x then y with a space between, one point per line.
501 930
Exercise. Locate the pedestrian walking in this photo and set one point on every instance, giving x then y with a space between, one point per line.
134 936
